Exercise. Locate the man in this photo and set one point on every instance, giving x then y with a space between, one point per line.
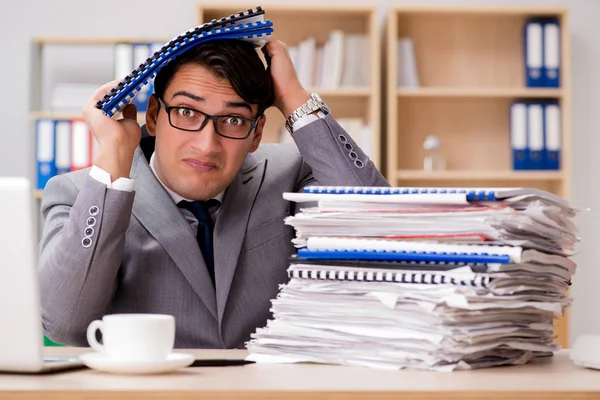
109 248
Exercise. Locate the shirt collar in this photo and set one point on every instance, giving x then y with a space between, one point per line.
177 198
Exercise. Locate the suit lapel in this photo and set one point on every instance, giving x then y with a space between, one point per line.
157 212
230 227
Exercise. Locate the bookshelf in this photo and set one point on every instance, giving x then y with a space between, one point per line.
37 109
470 64
294 23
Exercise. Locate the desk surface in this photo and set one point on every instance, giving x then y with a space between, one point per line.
551 378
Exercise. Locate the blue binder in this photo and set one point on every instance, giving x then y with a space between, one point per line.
421 256
518 135
535 135
45 151
62 143
534 53
552 135
154 47
141 52
551 67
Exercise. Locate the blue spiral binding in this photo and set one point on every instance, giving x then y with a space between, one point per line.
124 96
394 255
471 195
427 278
231 27
234 19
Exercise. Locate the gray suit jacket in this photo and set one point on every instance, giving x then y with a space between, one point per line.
143 257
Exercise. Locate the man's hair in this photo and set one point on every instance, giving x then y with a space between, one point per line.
235 60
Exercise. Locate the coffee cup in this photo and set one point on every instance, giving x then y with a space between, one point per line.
134 337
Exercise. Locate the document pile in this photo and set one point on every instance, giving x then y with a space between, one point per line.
437 279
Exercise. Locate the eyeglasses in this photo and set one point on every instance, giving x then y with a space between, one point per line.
189 119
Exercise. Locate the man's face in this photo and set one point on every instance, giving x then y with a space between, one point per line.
200 165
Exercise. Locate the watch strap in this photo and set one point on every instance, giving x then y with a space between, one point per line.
310 106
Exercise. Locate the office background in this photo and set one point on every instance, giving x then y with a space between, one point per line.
27 18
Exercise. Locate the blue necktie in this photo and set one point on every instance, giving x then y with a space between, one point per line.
204 236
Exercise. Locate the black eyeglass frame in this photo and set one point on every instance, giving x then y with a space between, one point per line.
213 118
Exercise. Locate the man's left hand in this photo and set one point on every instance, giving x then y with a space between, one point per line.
289 93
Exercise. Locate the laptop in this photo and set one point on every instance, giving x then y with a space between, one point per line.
21 337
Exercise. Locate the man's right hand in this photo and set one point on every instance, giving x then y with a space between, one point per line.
117 139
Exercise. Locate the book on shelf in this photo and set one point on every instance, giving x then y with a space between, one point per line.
408 75
342 61
542 52
541 55
535 134
127 57
62 146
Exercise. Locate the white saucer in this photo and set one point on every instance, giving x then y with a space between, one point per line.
100 362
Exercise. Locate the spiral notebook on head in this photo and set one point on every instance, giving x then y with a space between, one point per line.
419 195
246 25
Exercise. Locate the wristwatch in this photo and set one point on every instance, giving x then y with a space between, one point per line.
313 104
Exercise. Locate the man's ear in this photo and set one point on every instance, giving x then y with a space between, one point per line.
152 114
258 132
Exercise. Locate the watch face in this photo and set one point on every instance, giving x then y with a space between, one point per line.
321 103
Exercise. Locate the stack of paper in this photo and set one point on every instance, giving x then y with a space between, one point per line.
478 284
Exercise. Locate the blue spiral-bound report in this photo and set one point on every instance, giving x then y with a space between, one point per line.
248 25
421 256
515 254
439 195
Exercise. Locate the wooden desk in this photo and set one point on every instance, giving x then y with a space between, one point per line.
549 379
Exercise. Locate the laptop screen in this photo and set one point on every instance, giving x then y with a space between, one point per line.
21 339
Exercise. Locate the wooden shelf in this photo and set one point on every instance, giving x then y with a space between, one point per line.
66 115
300 21
470 66
342 92
479 9
274 7
480 92
492 175
92 40
55 115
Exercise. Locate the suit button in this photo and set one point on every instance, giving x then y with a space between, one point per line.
94 210
359 164
348 146
91 221
89 231
353 155
342 138
86 242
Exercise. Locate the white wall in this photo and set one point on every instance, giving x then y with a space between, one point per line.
22 19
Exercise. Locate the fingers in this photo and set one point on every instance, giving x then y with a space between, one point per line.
130 112
274 46
102 90
99 94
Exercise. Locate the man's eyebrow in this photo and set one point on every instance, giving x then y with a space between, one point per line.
190 95
238 104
